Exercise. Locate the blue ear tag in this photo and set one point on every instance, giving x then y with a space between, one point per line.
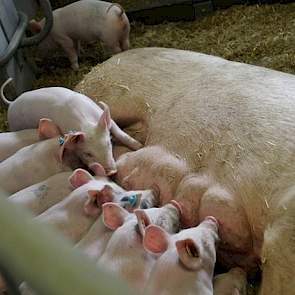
132 200
61 140
129 200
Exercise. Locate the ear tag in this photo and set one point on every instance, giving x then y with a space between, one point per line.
61 140
129 200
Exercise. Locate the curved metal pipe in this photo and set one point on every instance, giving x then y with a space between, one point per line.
15 40
36 39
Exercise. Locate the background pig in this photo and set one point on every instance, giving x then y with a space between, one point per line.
234 282
10 142
187 259
124 255
231 121
151 167
87 20
42 195
71 111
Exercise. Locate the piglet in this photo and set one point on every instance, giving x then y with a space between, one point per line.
151 167
37 162
124 255
71 111
234 282
74 215
187 259
94 242
87 20
41 196
11 142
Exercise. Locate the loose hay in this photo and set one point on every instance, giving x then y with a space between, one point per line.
262 35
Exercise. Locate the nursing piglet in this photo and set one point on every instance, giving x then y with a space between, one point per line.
41 196
37 162
94 242
11 142
234 282
124 255
151 167
87 20
74 215
187 259
71 111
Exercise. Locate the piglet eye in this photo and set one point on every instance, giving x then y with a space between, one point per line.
88 154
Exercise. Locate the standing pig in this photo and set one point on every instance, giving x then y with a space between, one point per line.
10 142
233 122
71 111
87 20
151 167
234 282
187 259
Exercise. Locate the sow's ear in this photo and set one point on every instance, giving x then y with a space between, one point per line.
48 129
155 239
96 198
80 177
114 215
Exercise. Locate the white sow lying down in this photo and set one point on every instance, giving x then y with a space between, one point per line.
232 122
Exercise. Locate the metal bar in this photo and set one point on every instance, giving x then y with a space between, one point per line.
36 254
36 39
16 39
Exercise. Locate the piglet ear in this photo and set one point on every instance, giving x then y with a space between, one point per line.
189 253
96 199
97 169
143 220
48 129
70 141
113 215
35 26
155 239
80 177
105 119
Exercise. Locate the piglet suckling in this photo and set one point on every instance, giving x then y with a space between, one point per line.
199 196
151 167
234 282
37 162
124 255
187 260
41 196
95 240
71 111
87 20
11 142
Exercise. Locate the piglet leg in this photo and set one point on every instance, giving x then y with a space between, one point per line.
119 134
